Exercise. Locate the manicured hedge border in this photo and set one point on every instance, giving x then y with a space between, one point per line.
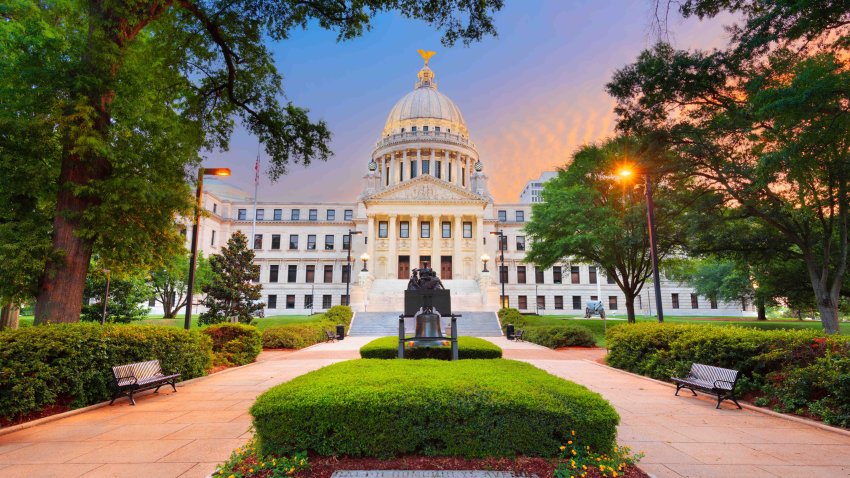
298 336
468 348
70 363
234 344
470 408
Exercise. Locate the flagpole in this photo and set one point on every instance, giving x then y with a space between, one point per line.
256 186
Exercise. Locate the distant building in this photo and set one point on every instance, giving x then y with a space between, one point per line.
533 190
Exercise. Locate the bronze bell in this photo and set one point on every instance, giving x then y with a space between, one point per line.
428 329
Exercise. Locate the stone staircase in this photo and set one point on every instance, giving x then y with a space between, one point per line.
380 324
387 295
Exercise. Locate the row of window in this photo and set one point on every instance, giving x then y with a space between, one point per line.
293 242
295 215
424 229
519 216
425 129
426 169
522 302
327 301
310 273
557 273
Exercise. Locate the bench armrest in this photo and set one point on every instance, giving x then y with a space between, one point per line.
732 384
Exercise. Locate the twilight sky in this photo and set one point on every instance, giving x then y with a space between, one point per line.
530 96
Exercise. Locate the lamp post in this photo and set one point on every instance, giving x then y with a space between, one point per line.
625 173
105 297
501 234
348 265
365 258
485 259
198 194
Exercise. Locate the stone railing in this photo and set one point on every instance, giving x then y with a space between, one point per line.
424 136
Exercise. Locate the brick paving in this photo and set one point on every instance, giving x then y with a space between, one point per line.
183 434
685 436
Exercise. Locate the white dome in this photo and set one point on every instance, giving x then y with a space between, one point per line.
425 106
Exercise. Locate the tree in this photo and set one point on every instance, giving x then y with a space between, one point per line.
170 282
231 294
127 298
126 94
763 124
589 215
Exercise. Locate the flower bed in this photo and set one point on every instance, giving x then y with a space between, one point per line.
470 408
468 348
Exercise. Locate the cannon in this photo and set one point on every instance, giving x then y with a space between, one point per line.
594 307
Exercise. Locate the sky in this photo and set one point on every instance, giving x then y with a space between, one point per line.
530 96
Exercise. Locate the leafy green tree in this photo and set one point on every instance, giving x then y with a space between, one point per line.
232 294
590 215
170 282
763 124
122 95
127 302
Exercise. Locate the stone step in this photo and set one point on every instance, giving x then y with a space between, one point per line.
475 324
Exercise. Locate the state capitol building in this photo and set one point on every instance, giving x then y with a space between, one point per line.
424 199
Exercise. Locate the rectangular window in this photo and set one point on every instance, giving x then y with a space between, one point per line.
557 277
215 208
413 129
425 230
438 169
261 214
346 242
295 215
559 302
212 239
273 272
331 215
609 278
343 299
467 230
612 302
293 242
272 302
503 274
348 215
541 302
426 167
404 229
382 229
152 302
258 241
449 169
329 274
592 272
313 214
275 241
675 300
520 243
308 301
311 242
463 177
436 129
424 129
311 274
400 172
413 168
447 229
504 242
291 273
520 274
522 301
278 214
538 275
694 301
345 278
326 301
593 297
290 301
242 214
329 242
713 302
575 276
520 216
503 216
576 302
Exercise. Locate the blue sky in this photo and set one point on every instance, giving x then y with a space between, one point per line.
530 96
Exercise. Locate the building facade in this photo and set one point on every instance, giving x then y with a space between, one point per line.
533 190
424 200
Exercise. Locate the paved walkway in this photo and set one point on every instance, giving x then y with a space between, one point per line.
184 434
685 436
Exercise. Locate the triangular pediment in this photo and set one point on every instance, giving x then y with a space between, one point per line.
425 188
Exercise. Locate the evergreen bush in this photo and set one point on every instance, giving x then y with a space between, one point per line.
555 336
234 344
468 348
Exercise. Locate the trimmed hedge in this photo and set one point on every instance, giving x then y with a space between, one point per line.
468 348
298 336
234 344
554 336
791 370
71 363
470 408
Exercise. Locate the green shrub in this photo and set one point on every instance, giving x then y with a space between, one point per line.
234 344
71 363
555 336
339 314
295 336
468 348
470 408
511 316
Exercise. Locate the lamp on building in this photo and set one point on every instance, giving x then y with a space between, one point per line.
198 194
502 300
348 266
365 258
485 259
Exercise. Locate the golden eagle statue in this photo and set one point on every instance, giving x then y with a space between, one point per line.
426 55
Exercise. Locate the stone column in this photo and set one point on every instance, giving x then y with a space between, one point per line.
457 170
392 260
413 232
456 255
436 241
418 163
371 234
393 169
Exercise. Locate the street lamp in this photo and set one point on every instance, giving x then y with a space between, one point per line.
625 173
198 193
348 266
105 297
501 235
485 259
365 258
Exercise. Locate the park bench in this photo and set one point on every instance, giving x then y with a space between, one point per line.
518 335
135 377
714 380
331 336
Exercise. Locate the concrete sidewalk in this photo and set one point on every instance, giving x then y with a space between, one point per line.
685 436
184 434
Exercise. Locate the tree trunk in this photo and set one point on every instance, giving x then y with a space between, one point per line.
762 309
826 298
630 308
9 317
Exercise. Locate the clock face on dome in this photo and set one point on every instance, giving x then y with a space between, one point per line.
373 165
